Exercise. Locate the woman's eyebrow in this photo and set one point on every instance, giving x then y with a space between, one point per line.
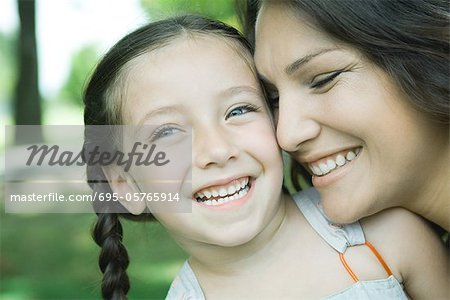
297 64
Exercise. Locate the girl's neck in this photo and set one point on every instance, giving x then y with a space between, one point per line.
211 259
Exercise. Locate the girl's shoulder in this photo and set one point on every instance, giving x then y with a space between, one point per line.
338 236
398 227
409 245
185 286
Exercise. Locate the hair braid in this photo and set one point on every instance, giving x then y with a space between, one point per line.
113 259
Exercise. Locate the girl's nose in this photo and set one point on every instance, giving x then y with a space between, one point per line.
213 147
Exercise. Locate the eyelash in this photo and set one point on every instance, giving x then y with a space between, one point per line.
326 80
161 132
247 107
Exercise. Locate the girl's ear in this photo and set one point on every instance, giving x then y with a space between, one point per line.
123 185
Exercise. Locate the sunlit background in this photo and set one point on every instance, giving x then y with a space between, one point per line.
52 256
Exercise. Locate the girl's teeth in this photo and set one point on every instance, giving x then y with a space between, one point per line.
331 164
237 196
225 194
231 190
222 192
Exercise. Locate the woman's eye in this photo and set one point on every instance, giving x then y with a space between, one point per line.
322 81
240 110
163 132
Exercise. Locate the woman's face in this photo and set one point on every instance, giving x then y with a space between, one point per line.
201 93
343 118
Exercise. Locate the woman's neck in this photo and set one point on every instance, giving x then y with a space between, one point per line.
432 201
212 259
436 206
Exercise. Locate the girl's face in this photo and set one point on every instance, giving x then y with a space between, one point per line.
199 91
344 119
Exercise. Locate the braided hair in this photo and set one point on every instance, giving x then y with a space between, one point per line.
104 100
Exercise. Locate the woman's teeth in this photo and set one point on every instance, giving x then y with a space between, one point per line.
325 166
219 195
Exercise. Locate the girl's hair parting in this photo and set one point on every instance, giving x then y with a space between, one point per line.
104 100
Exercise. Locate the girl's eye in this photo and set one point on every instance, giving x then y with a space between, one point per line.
163 131
321 82
240 110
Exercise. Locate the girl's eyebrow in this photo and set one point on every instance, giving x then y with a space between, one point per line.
176 109
230 92
298 63
166 110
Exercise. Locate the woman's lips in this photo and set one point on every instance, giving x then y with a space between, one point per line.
330 163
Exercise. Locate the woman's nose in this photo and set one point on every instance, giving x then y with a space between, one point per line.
296 124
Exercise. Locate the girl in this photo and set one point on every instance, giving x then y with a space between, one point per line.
363 94
191 79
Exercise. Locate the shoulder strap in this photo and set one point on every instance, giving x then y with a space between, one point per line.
377 255
338 236
185 285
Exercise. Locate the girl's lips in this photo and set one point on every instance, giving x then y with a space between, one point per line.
337 173
232 203
220 191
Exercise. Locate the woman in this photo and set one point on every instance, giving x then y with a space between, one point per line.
362 90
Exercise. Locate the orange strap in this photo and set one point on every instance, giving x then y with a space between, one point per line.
341 256
377 255
380 259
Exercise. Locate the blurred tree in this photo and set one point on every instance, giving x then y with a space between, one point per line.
27 99
83 63
223 10
8 61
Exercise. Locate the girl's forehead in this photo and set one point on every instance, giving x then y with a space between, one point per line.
206 44
177 70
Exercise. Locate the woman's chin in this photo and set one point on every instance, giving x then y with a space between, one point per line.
341 212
